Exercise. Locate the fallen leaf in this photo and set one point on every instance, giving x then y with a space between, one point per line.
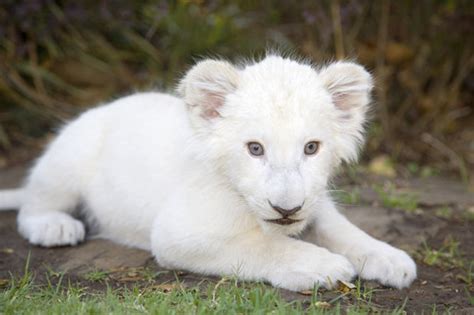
322 304
120 269
306 292
165 287
344 286
4 282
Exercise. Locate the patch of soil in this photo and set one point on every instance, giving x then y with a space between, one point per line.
442 287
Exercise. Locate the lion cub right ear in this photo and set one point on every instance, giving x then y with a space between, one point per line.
205 87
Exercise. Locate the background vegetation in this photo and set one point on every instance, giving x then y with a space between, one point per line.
59 57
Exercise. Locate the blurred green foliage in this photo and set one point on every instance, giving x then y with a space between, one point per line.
59 57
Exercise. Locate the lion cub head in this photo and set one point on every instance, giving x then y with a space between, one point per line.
277 129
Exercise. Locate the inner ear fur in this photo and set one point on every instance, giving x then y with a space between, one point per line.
206 85
349 85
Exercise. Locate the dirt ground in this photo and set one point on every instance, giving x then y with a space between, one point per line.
432 218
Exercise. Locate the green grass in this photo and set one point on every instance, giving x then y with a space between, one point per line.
445 212
96 275
391 199
468 277
424 171
351 197
29 299
469 280
447 256
228 296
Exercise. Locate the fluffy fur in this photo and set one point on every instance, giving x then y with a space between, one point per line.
174 176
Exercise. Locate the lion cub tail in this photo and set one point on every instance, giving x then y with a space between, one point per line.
11 199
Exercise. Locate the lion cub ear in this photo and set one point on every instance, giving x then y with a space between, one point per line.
349 85
205 87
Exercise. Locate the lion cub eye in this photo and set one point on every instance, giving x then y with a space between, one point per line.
255 148
311 147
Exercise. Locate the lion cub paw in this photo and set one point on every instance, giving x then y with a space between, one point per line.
51 229
386 264
316 268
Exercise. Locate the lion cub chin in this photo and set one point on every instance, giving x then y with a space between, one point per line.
221 180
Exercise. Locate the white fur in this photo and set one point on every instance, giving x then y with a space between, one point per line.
11 198
174 176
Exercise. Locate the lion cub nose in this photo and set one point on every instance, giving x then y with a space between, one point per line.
285 212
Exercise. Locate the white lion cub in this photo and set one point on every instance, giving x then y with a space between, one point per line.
221 180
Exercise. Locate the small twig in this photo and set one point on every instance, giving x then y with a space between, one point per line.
19 99
214 291
380 68
4 139
337 298
337 27
38 82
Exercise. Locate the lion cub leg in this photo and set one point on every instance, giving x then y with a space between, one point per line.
373 259
44 219
45 216
51 195
280 260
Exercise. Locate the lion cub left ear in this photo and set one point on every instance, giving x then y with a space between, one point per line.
349 86
205 87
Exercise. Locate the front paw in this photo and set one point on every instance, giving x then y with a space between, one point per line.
309 268
51 229
384 263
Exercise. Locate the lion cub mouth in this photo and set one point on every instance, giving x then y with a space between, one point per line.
283 221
